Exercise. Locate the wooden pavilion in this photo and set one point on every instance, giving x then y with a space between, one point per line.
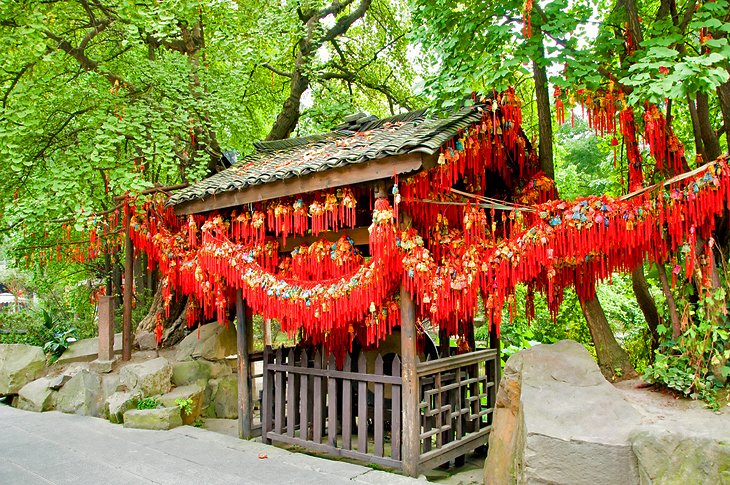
411 173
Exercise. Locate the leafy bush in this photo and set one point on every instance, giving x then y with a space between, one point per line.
185 405
696 363
148 403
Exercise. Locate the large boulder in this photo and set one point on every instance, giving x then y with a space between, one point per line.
82 394
558 421
19 365
150 378
86 350
190 372
37 396
194 393
221 398
210 342
684 451
158 419
119 403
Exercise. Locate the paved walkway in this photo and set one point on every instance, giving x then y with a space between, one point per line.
43 448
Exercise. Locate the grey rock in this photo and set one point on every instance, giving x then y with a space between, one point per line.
57 382
190 372
19 365
158 419
145 340
118 403
150 378
210 342
687 451
194 392
222 397
558 421
101 366
82 394
37 396
87 350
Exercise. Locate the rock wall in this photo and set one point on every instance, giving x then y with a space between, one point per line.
558 421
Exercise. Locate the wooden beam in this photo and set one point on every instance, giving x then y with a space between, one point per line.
244 346
411 416
127 300
337 177
359 235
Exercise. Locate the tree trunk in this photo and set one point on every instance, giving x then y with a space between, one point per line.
612 359
709 138
723 94
699 147
288 118
647 304
671 304
173 328
544 116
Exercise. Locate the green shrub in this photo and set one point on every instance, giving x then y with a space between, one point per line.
148 403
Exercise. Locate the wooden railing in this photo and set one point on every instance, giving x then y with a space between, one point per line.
310 403
457 397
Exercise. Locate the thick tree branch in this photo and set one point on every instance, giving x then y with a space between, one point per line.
344 23
276 71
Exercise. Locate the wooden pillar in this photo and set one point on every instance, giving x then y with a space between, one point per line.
411 415
106 328
267 332
244 346
128 287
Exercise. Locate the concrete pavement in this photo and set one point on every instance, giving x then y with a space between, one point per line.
43 448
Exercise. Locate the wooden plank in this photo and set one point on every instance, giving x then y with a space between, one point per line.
266 417
362 406
347 406
450 363
383 168
384 379
244 343
452 450
338 452
360 236
128 296
317 408
279 395
411 415
457 404
291 421
439 406
305 403
379 420
395 413
332 405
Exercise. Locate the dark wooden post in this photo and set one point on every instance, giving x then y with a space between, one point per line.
128 288
411 415
244 346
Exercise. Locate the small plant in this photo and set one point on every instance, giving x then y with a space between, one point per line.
148 403
198 423
185 405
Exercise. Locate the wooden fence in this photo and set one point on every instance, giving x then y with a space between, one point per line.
310 403
457 397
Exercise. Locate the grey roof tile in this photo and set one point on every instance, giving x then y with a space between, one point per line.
360 140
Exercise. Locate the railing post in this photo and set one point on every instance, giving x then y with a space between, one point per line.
128 291
244 341
411 414
268 397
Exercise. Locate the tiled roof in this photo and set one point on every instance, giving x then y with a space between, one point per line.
357 141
